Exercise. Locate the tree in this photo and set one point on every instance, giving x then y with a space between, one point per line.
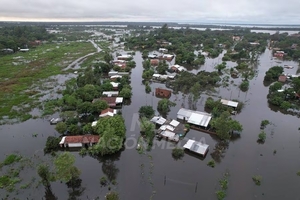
224 125
45 174
74 129
117 122
262 136
164 105
146 64
85 107
126 93
221 66
52 144
107 57
195 90
105 68
177 153
99 105
273 73
61 127
64 167
146 111
131 64
147 74
275 87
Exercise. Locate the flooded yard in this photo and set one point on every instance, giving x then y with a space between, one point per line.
156 175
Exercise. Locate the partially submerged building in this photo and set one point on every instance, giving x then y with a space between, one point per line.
79 141
124 57
164 93
229 103
196 118
112 101
158 120
196 147
108 112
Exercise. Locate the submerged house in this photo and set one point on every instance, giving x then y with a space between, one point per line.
112 101
79 141
282 78
154 62
115 85
159 92
108 112
115 77
158 120
197 147
196 118
178 68
124 57
229 103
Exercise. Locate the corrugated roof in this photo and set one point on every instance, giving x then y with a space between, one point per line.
167 127
174 123
111 93
158 120
80 139
114 84
196 147
119 100
229 103
199 119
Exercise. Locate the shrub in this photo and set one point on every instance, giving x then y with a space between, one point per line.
244 86
177 153
257 179
10 159
221 194
211 163
262 136
103 181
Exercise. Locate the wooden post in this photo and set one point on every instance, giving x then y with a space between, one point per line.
165 180
196 187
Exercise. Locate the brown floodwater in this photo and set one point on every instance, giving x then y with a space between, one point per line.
156 174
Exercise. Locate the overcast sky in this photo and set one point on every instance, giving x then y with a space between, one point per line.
245 11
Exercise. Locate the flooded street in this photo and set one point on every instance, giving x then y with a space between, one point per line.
156 175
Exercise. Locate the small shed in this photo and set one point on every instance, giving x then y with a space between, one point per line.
110 93
158 120
169 135
174 123
229 103
197 147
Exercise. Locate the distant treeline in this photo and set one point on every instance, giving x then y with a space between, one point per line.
170 24
14 37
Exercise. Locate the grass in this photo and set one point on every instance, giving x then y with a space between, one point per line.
10 159
20 71
211 163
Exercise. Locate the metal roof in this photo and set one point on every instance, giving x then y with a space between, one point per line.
174 123
196 147
158 120
116 76
199 119
110 93
170 135
119 100
229 103
114 84
168 127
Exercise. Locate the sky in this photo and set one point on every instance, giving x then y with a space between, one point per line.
182 11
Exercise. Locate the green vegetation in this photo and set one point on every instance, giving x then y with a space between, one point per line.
244 86
147 131
103 181
264 123
298 173
257 179
43 171
177 153
10 159
288 98
112 131
273 73
216 107
221 194
164 105
64 167
22 36
20 71
112 196
221 66
146 111
290 45
147 87
185 81
211 163
262 136
224 125
52 144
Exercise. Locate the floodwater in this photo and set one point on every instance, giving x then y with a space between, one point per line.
156 175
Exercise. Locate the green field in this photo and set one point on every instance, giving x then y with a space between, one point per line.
19 71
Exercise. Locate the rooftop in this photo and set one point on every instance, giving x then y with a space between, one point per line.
84 139
229 103
194 117
110 93
158 120
197 147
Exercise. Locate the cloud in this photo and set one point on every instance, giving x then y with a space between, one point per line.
255 11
